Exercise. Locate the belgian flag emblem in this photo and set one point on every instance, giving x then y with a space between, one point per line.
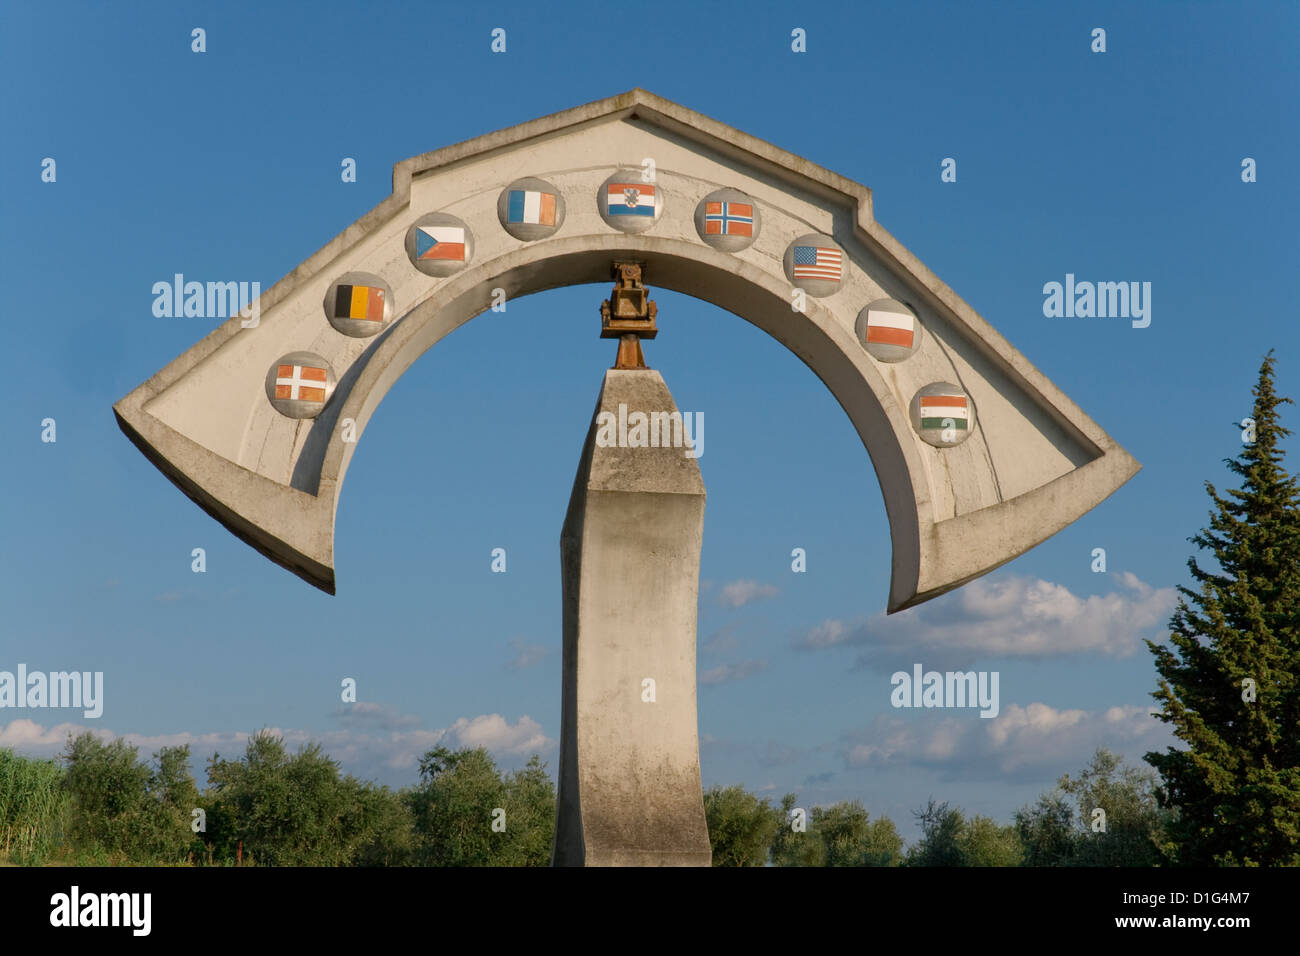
359 302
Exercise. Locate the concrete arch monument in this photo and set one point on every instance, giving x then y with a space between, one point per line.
1030 463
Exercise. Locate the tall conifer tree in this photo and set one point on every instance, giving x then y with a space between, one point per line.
1230 681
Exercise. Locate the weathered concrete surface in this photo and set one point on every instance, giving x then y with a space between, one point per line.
630 561
1033 464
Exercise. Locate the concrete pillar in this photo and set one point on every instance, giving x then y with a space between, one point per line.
629 791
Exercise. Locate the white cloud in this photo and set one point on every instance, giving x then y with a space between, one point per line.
29 737
495 733
1019 742
827 634
526 655
728 672
391 757
779 755
723 639
739 593
368 713
1010 617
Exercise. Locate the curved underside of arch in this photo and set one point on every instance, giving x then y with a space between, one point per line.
1032 464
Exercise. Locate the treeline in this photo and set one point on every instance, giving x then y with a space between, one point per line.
1106 816
100 804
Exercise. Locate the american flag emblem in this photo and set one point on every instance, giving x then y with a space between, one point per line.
816 262
303 383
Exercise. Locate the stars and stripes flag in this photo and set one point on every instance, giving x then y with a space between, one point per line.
303 383
935 408
817 262
531 206
359 302
630 199
440 242
728 219
891 328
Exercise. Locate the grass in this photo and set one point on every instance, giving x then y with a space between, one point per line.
33 808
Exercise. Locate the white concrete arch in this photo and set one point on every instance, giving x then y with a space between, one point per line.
1033 463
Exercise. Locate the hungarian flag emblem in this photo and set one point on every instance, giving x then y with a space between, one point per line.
303 383
440 242
817 262
891 328
728 219
359 302
531 207
936 408
630 199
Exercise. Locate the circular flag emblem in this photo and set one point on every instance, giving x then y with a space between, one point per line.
943 414
889 330
439 244
815 264
728 220
359 304
299 384
530 209
628 204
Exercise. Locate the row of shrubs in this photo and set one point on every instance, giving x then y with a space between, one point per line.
101 804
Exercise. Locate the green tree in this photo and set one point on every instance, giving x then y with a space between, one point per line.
949 839
172 797
295 810
985 842
530 816
1048 831
842 834
1135 824
122 808
107 786
791 847
852 838
1230 684
741 826
1059 830
458 800
377 823
941 828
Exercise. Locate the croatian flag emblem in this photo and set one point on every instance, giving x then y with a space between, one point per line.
630 199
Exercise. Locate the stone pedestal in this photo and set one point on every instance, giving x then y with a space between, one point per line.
629 788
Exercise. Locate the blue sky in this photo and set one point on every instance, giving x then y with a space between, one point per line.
1115 166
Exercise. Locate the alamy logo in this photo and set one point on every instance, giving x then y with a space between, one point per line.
75 908
654 430
949 689
210 300
56 689
1103 300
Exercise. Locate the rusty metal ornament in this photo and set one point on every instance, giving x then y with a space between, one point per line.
628 315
